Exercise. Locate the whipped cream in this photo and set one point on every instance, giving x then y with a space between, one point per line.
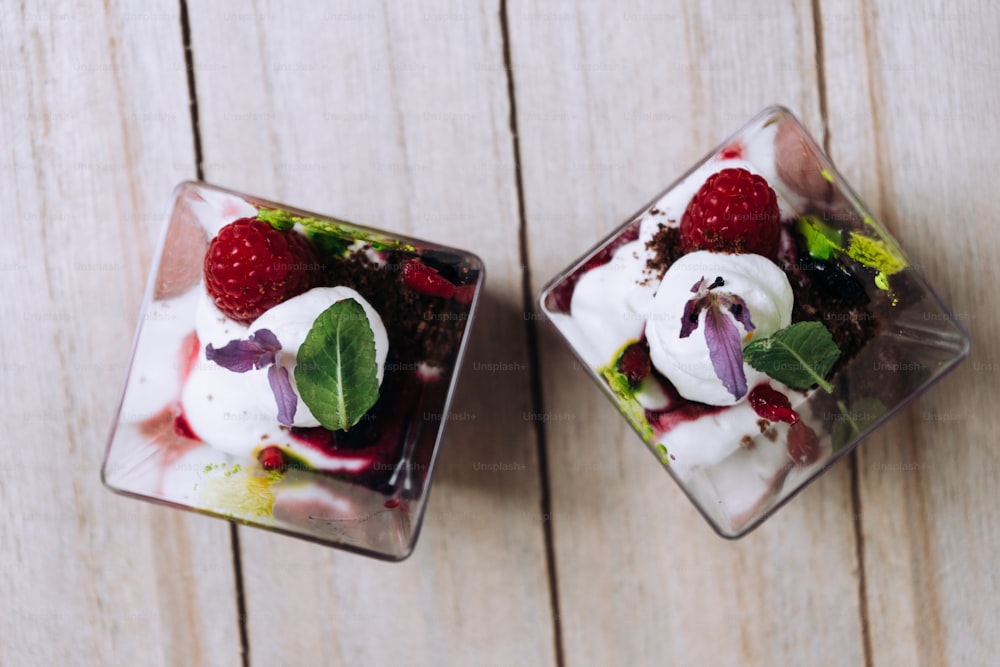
687 362
291 321
608 304
236 412
711 455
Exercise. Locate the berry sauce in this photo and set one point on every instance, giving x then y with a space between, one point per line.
678 410
772 405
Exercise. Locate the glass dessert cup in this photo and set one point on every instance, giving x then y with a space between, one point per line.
747 376
292 372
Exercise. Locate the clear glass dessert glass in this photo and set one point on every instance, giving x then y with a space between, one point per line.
317 413
856 332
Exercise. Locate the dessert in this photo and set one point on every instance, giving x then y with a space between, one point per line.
292 372
754 322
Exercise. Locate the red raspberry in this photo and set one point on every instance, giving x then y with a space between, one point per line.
803 444
734 211
465 293
424 279
634 363
272 458
250 267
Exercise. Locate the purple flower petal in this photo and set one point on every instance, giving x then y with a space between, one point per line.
240 356
692 310
738 307
284 395
697 287
724 349
267 339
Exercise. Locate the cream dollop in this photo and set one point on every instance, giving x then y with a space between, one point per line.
291 321
236 412
686 362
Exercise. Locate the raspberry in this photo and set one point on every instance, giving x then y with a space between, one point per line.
465 293
426 280
272 458
734 211
803 444
251 267
772 405
634 363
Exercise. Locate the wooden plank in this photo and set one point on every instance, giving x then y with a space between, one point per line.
398 118
911 101
96 132
614 104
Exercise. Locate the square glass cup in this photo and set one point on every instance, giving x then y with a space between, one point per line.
197 430
835 277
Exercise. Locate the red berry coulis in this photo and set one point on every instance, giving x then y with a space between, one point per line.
772 405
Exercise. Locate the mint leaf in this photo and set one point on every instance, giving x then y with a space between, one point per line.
330 236
280 220
853 421
822 240
335 369
328 244
800 355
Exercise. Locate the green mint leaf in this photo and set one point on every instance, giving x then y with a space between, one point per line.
331 237
876 254
800 355
280 220
335 368
854 420
821 239
328 244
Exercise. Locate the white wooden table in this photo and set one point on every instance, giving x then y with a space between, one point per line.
523 131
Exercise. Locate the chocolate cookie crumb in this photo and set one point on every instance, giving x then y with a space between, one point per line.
666 248
421 328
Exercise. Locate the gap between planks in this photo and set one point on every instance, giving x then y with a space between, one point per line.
859 537
531 336
531 331
234 536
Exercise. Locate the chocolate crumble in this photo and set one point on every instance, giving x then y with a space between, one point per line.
666 248
421 328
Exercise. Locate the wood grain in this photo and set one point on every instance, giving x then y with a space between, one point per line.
911 102
399 117
396 118
95 134
614 104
